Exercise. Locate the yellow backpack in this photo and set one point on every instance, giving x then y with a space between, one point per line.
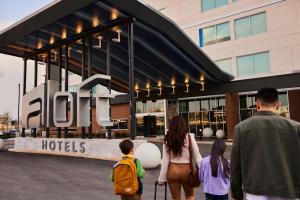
125 177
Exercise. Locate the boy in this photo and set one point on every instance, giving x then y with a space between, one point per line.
130 188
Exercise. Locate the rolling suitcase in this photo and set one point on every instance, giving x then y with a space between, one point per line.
155 191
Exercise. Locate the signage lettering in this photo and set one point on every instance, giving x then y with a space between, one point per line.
68 146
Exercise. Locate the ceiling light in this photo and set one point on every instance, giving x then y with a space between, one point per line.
159 85
173 85
187 84
202 82
136 88
148 89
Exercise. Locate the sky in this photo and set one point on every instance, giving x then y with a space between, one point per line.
11 68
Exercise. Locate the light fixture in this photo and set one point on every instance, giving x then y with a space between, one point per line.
39 44
159 87
95 21
202 82
51 41
187 84
114 14
79 28
64 34
136 88
55 55
148 89
99 46
118 39
173 85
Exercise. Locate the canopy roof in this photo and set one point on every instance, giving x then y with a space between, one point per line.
162 50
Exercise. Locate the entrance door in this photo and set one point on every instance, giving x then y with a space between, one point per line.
150 128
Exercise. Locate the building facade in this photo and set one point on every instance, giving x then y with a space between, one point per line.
255 41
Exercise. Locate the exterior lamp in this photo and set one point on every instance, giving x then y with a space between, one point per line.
148 89
187 85
202 82
118 39
159 87
43 59
69 51
99 46
136 88
55 55
173 86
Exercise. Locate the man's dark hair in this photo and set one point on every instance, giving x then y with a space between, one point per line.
267 95
126 146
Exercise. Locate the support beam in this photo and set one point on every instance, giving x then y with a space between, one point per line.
48 75
66 82
35 84
131 81
108 72
90 46
24 86
83 58
60 65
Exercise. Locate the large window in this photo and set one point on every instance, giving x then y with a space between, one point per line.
225 65
203 113
248 106
120 124
214 34
253 64
250 25
211 4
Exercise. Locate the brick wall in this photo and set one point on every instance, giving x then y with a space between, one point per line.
232 112
294 104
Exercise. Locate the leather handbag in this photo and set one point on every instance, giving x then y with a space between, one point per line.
194 180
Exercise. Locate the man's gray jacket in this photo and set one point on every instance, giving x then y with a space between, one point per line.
265 157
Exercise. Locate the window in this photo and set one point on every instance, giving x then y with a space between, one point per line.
214 34
211 4
120 124
225 65
248 105
250 25
253 64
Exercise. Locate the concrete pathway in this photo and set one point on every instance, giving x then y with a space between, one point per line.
44 177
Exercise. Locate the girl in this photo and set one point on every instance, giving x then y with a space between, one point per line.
214 173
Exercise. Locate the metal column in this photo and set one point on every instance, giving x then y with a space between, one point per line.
90 43
59 80
66 83
48 74
18 107
24 86
108 72
131 81
83 58
35 83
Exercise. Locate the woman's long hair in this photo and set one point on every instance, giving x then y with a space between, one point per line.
216 154
175 138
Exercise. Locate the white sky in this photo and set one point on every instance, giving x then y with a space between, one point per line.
11 68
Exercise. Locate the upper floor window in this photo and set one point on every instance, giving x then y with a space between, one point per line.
211 4
253 64
250 25
225 65
214 34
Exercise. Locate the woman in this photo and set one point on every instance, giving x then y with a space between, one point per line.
214 173
175 166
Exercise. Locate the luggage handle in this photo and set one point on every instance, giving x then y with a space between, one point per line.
155 191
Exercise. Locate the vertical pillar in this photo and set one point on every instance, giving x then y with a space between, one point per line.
90 43
66 82
24 86
131 81
232 104
18 127
59 80
48 74
35 82
108 72
83 58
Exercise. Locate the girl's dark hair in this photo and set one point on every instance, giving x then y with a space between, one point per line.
175 137
216 154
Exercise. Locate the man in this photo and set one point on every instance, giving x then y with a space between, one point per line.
265 157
